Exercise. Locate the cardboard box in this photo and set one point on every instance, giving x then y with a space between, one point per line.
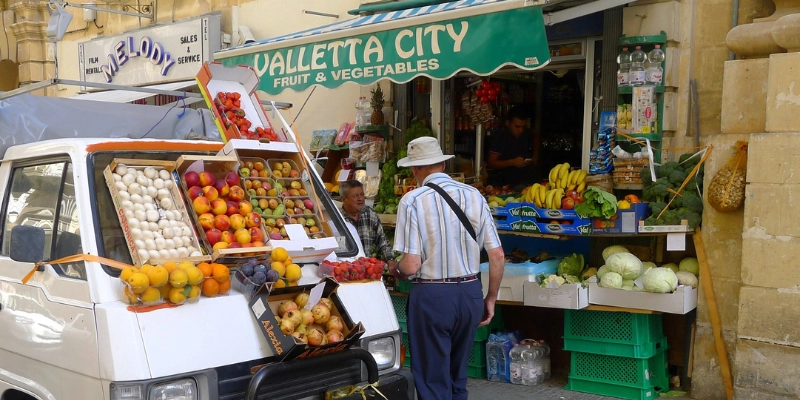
529 211
681 301
214 78
644 109
683 227
264 306
573 226
625 221
568 296
514 278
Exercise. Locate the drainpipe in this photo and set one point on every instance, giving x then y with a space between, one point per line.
734 23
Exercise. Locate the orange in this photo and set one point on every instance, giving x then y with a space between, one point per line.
170 266
279 254
210 288
206 268
178 279
194 275
138 282
225 287
220 272
145 268
127 272
280 284
158 276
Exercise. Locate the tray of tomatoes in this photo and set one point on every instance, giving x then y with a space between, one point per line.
233 115
364 268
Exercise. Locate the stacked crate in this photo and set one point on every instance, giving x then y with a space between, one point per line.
616 354
627 170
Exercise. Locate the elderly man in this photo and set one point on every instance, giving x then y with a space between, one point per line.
366 221
441 228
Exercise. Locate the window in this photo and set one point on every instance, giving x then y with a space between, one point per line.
43 196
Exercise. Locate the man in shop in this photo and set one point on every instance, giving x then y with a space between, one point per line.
514 151
441 228
366 220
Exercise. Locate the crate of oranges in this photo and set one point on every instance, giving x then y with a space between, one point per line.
176 283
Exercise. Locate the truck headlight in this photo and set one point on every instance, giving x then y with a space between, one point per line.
183 389
383 351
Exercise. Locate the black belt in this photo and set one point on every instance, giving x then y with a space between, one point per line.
460 279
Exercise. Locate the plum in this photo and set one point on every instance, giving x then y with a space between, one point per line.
259 278
260 268
248 269
272 275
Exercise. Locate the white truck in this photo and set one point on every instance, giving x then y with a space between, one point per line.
67 335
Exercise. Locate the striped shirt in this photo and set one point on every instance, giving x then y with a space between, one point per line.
428 227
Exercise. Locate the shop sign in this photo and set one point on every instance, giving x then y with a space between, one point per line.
152 55
480 43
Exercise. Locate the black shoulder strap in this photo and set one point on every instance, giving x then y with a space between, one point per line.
456 209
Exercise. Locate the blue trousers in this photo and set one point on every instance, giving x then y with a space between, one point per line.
442 321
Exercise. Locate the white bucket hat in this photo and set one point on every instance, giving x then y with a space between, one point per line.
423 151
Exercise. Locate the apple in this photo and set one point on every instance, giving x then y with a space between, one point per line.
237 221
227 236
242 236
222 187
210 193
253 220
219 207
201 205
256 235
235 193
266 185
309 204
232 179
573 194
206 220
192 179
222 222
567 203
213 235
195 192
207 178
294 173
233 207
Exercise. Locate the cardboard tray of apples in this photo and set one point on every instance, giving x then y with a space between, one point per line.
220 208
363 269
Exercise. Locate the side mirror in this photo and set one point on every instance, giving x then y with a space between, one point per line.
27 244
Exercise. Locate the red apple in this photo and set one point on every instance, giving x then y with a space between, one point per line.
192 179
233 208
219 207
195 192
201 205
256 235
207 178
232 179
245 208
206 220
227 237
222 187
253 220
213 235
237 222
567 203
572 194
210 193
222 222
235 193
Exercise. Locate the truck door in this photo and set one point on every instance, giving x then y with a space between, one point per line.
48 340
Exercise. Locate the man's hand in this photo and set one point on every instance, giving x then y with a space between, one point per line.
520 162
392 265
488 311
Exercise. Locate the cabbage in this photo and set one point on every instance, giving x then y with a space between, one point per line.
559 280
646 265
690 264
571 265
672 266
611 280
608 251
627 282
660 280
625 264
687 278
602 271
571 279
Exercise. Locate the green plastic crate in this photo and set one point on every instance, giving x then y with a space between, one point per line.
402 286
611 390
639 373
645 350
613 327
400 303
497 324
476 371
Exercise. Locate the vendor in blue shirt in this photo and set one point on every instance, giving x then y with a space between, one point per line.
514 151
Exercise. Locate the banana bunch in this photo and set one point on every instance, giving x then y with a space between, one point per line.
535 194
562 178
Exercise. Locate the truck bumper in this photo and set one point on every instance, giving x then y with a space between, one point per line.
396 386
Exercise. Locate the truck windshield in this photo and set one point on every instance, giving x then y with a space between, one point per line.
111 240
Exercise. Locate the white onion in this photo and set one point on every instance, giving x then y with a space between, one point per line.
140 215
148 234
162 223
120 186
138 207
126 205
143 254
146 198
173 254
158 183
195 254
133 223
149 206
163 194
168 184
166 203
170 215
185 231
117 177
139 244
178 216
152 191
175 224
170 244
134 188
161 243
168 233
123 195
128 178
150 172
152 216
128 213
136 233
153 226
157 234
154 254
141 180
121 169
187 241
164 174
150 244
183 252
136 199
164 254
139 173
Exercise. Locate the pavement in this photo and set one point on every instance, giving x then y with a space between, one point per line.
482 389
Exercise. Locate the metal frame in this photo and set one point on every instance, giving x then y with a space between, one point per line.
573 12
95 8
56 81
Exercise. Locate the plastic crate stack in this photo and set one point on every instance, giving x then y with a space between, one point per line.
616 354
476 367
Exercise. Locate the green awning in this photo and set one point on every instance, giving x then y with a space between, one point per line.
436 41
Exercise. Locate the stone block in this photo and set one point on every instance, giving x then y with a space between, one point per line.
709 67
706 377
710 103
670 117
767 370
709 27
744 101
762 164
726 292
783 93
770 262
769 211
769 315
664 16
740 393
672 71
724 252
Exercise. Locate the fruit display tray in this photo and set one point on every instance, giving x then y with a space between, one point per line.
530 211
177 200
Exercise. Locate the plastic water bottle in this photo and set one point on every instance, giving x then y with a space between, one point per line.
516 364
363 112
623 73
532 366
545 359
496 361
655 74
638 73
